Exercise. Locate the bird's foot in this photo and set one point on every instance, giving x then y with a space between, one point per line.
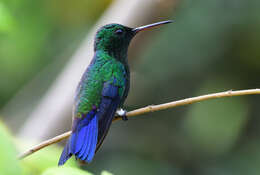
122 113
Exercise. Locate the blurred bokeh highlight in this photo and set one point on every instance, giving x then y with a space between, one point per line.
212 46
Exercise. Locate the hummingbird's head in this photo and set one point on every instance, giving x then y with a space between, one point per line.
115 38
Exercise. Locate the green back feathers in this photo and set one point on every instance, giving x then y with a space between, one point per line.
104 68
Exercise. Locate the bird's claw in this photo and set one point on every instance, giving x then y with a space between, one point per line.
122 113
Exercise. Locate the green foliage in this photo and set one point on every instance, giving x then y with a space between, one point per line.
44 159
65 171
9 165
42 162
6 20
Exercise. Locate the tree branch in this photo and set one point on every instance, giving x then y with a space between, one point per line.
148 109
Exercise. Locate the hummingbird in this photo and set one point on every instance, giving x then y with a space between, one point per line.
101 91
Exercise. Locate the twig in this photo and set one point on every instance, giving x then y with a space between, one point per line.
151 108
44 144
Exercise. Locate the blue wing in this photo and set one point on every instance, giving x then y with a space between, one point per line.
109 103
89 132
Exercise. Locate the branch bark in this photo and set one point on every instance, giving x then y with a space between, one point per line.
148 109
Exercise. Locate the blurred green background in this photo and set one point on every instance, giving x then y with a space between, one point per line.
213 46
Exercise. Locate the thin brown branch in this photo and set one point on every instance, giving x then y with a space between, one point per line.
148 109
44 144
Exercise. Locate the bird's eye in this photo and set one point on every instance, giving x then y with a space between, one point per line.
119 32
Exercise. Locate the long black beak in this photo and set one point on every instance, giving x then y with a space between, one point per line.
138 29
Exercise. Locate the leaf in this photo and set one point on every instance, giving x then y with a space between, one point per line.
65 171
6 20
44 159
9 165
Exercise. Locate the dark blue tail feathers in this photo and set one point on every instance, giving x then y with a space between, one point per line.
65 155
82 142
